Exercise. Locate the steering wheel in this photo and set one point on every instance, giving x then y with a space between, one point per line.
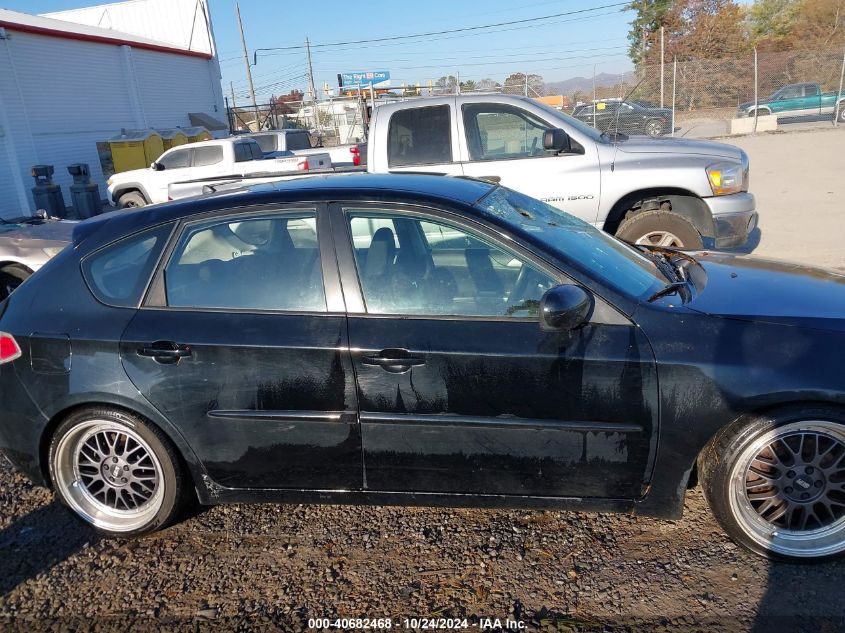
534 146
520 287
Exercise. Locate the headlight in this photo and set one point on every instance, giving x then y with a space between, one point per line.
109 181
52 251
725 178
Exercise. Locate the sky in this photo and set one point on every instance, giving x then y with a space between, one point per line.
556 48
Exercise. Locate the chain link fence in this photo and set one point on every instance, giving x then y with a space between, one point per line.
337 121
695 98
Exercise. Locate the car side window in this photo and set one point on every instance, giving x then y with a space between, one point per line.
176 159
297 141
242 153
496 132
255 151
426 267
810 90
791 93
207 155
419 136
248 263
118 273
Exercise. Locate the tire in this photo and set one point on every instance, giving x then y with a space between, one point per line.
841 118
785 521
89 454
662 228
131 200
653 128
10 278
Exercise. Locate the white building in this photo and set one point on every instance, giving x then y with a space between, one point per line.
71 79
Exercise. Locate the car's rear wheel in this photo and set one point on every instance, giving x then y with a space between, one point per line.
660 228
116 472
131 200
776 483
654 128
842 112
11 277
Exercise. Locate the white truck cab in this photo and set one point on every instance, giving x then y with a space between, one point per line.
666 191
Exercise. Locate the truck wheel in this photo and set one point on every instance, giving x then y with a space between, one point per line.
660 228
131 200
10 278
654 128
774 482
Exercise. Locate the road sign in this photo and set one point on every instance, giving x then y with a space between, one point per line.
363 78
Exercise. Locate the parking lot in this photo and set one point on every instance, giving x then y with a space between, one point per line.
256 567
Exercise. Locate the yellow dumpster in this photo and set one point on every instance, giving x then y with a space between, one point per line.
172 137
134 149
196 134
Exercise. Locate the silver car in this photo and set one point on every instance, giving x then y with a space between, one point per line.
26 244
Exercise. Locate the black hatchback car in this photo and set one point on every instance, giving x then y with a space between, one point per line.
422 340
628 117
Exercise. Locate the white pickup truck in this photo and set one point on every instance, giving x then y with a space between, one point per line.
279 143
220 159
672 192
666 191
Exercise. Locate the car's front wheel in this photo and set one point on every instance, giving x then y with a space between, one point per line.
115 471
131 200
776 483
654 128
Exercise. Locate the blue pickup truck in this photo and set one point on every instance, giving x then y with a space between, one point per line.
797 100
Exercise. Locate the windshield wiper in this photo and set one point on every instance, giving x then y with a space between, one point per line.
670 288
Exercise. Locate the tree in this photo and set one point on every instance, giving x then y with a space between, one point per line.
704 29
469 86
819 24
516 84
644 34
770 22
488 85
446 84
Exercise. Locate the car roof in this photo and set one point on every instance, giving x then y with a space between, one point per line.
421 188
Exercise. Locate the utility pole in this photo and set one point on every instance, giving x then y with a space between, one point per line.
642 49
526 84
232 89
313 88
661 65
248 70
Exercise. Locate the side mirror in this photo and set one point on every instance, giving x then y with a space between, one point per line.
556 140
565 307
156 166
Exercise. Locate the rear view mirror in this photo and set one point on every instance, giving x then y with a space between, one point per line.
565 307
556 140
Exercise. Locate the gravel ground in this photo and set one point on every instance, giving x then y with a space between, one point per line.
274 567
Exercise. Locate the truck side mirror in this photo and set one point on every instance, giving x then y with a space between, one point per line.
556 140
565 308
156 166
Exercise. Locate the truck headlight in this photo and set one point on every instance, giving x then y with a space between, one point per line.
109 181
726 178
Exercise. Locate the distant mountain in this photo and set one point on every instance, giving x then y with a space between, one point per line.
584 84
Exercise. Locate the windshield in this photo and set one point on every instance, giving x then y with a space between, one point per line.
582 127
608 260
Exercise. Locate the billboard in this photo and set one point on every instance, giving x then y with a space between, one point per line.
365 79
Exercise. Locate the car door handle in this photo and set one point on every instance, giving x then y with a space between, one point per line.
165 352
393 360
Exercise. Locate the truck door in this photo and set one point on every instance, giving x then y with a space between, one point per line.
505 142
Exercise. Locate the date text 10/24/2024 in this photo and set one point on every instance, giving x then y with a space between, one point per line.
417 624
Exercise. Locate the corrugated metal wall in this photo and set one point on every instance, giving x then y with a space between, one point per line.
73 94
178 22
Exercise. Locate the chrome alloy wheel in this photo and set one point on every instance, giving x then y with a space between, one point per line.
109 475
661 238
788 489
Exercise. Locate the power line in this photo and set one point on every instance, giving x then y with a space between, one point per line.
394 38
